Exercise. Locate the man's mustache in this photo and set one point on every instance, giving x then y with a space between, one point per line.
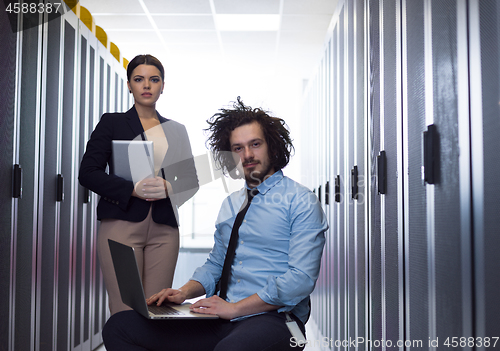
250 161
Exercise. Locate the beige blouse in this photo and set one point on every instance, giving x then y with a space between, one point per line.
160 145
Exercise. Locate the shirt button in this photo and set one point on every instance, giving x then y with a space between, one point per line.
241 242
241 262
239 280
244 220
232 301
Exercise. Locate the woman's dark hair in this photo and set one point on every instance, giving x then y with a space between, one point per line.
145 60
275 131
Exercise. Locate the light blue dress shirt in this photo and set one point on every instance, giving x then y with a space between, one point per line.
279 248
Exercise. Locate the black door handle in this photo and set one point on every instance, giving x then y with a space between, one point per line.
60 188
17 182
382 172
430 155
354 183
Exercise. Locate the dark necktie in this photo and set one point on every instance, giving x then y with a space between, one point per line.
233 242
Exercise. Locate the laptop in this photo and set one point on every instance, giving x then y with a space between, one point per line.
133 159
132 292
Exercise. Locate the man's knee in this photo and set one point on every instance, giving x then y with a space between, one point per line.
115 328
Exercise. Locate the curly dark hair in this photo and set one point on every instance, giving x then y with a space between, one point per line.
222 124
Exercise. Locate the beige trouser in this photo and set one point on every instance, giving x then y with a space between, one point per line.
156 249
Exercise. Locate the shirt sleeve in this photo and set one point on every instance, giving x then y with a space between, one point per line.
209 274
307 239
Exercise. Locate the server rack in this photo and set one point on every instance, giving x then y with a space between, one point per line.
414 103
484 36
55 298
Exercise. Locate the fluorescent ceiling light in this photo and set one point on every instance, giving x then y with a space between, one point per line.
248 22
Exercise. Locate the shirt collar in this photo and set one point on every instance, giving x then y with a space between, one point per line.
269 183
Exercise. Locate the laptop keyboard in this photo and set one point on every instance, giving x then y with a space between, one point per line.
163 310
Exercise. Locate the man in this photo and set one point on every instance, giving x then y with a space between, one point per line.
276 260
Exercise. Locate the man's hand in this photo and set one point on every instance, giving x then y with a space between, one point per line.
171 295
189 290
226 310
151 189
217 306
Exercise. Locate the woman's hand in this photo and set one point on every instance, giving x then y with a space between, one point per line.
151 189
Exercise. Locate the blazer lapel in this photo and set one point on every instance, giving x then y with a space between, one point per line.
134 122
169 134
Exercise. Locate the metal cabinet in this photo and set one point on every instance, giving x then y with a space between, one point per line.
53 72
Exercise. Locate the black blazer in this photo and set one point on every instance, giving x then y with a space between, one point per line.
116 193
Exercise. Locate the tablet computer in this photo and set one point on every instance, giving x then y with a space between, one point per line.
133 160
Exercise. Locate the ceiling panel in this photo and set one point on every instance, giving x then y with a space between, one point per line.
141 48
178 6
249 38
309 7
184 22
199 50
123 22
112 6
300 39
305 23
185 31
191 37
132 37
247 7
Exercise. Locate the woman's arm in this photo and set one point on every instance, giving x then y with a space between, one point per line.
92 173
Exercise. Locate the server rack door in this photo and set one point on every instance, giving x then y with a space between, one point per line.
8 88
357 174
451 235
122 90
116 92
50 163
68 143
86 232
349 163
334 224
103 99
360 152
485 124
329 187
343 210
375 249
81 300
332 248
391 208
95 111
321 155
91 216
25 237
337 222
416 235
80 235
308 167
97 280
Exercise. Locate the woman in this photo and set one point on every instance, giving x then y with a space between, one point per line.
141 214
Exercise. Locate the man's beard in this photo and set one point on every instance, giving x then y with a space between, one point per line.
257 177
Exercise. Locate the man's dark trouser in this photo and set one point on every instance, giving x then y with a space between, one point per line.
128 330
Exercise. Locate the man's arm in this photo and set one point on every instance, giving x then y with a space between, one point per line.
226 310
306 244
